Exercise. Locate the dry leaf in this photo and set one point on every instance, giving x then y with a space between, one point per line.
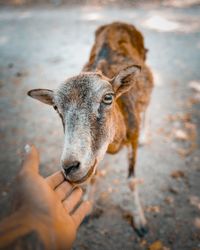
177 174
194 100
143 242
102 172
181 135
153 209
195 201
185 152
184 117
190 126
169 200
173 190
195 85
197 222
157 245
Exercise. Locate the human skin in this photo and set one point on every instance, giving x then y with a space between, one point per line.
46 214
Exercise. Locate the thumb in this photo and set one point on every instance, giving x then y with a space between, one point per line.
31 160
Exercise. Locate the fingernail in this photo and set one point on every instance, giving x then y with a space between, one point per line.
27 148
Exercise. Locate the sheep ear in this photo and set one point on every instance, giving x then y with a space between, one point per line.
125 79
43 95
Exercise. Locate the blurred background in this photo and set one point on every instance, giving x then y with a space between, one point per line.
44 42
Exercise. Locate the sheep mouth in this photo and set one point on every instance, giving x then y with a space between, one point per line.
85 177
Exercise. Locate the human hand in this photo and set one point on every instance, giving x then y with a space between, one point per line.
49 205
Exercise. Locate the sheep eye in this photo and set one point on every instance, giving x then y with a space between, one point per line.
107 99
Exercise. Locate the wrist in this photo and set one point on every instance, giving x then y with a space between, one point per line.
20 230
12 227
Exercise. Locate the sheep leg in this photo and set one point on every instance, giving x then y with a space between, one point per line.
143 139
138 219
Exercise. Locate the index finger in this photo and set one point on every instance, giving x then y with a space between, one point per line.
55 179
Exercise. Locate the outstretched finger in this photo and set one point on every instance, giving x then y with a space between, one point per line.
63 190
73 199
81 212
55 179
31 159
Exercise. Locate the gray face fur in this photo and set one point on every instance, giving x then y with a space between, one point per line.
87 121
86 105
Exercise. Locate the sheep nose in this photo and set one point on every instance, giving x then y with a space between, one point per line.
70 167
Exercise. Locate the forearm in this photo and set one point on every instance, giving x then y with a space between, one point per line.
18 232
31 241
21 232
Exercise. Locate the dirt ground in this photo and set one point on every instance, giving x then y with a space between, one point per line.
40 47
